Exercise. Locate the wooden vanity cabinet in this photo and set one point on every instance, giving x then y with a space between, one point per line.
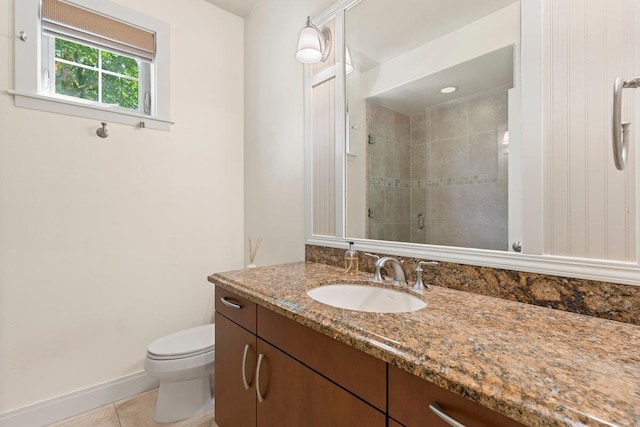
295 376
410 397
292 393
235 403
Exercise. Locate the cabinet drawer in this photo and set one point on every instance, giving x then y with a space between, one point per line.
410 397
238 309
361 374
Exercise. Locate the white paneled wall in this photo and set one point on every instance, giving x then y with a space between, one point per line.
323 94
324 154
589 205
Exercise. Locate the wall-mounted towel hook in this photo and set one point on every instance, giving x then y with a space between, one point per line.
22 36
102 132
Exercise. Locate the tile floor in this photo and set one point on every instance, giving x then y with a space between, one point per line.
136 411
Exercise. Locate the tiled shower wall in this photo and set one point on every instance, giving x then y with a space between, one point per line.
388 174
451 168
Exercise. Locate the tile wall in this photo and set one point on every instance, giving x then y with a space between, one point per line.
440 177
388 174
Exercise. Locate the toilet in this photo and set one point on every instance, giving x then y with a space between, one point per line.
183 362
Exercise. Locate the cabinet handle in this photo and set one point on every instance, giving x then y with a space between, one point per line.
244 367
436 409
258 392
228 303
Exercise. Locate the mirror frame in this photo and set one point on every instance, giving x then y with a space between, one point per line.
532 258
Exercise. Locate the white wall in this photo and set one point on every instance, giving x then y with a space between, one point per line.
274 128
105 245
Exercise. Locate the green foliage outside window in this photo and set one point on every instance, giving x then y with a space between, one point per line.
119 64
116 90
82 82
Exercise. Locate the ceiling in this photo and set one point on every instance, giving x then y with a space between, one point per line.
379 30
237 7
482 74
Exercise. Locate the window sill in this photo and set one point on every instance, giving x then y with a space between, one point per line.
78 109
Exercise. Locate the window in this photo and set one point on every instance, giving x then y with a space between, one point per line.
75 70
94 59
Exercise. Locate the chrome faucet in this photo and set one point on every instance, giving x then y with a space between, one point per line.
399 276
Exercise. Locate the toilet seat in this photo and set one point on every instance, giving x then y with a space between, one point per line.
183 344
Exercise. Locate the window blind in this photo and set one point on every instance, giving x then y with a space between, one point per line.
65 20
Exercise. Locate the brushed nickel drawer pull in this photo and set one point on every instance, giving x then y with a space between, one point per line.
228 303
244 367
436 409
258 392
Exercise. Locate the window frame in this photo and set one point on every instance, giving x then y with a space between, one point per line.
30 93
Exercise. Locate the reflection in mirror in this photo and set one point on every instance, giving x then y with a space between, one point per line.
426 166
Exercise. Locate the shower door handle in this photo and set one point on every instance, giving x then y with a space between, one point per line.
620 134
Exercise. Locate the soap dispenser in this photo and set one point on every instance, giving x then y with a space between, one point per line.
351 260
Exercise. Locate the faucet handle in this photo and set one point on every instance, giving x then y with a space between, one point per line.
377 276
428 263
419 285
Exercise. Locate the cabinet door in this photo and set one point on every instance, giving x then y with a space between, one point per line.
295 395
235 403
361 374
410 397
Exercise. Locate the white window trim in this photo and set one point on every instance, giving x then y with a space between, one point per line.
28 80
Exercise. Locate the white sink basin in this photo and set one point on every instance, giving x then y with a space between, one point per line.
366 298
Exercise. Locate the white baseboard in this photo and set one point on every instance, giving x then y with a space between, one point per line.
59 408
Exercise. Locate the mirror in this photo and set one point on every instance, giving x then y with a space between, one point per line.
555 187
430 102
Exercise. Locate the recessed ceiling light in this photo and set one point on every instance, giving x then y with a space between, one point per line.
448 89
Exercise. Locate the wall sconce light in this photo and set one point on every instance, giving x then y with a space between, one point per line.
313 45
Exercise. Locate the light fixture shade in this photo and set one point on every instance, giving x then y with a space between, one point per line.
309 45
313 45
348 66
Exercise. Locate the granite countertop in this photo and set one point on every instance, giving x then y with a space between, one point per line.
539 366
